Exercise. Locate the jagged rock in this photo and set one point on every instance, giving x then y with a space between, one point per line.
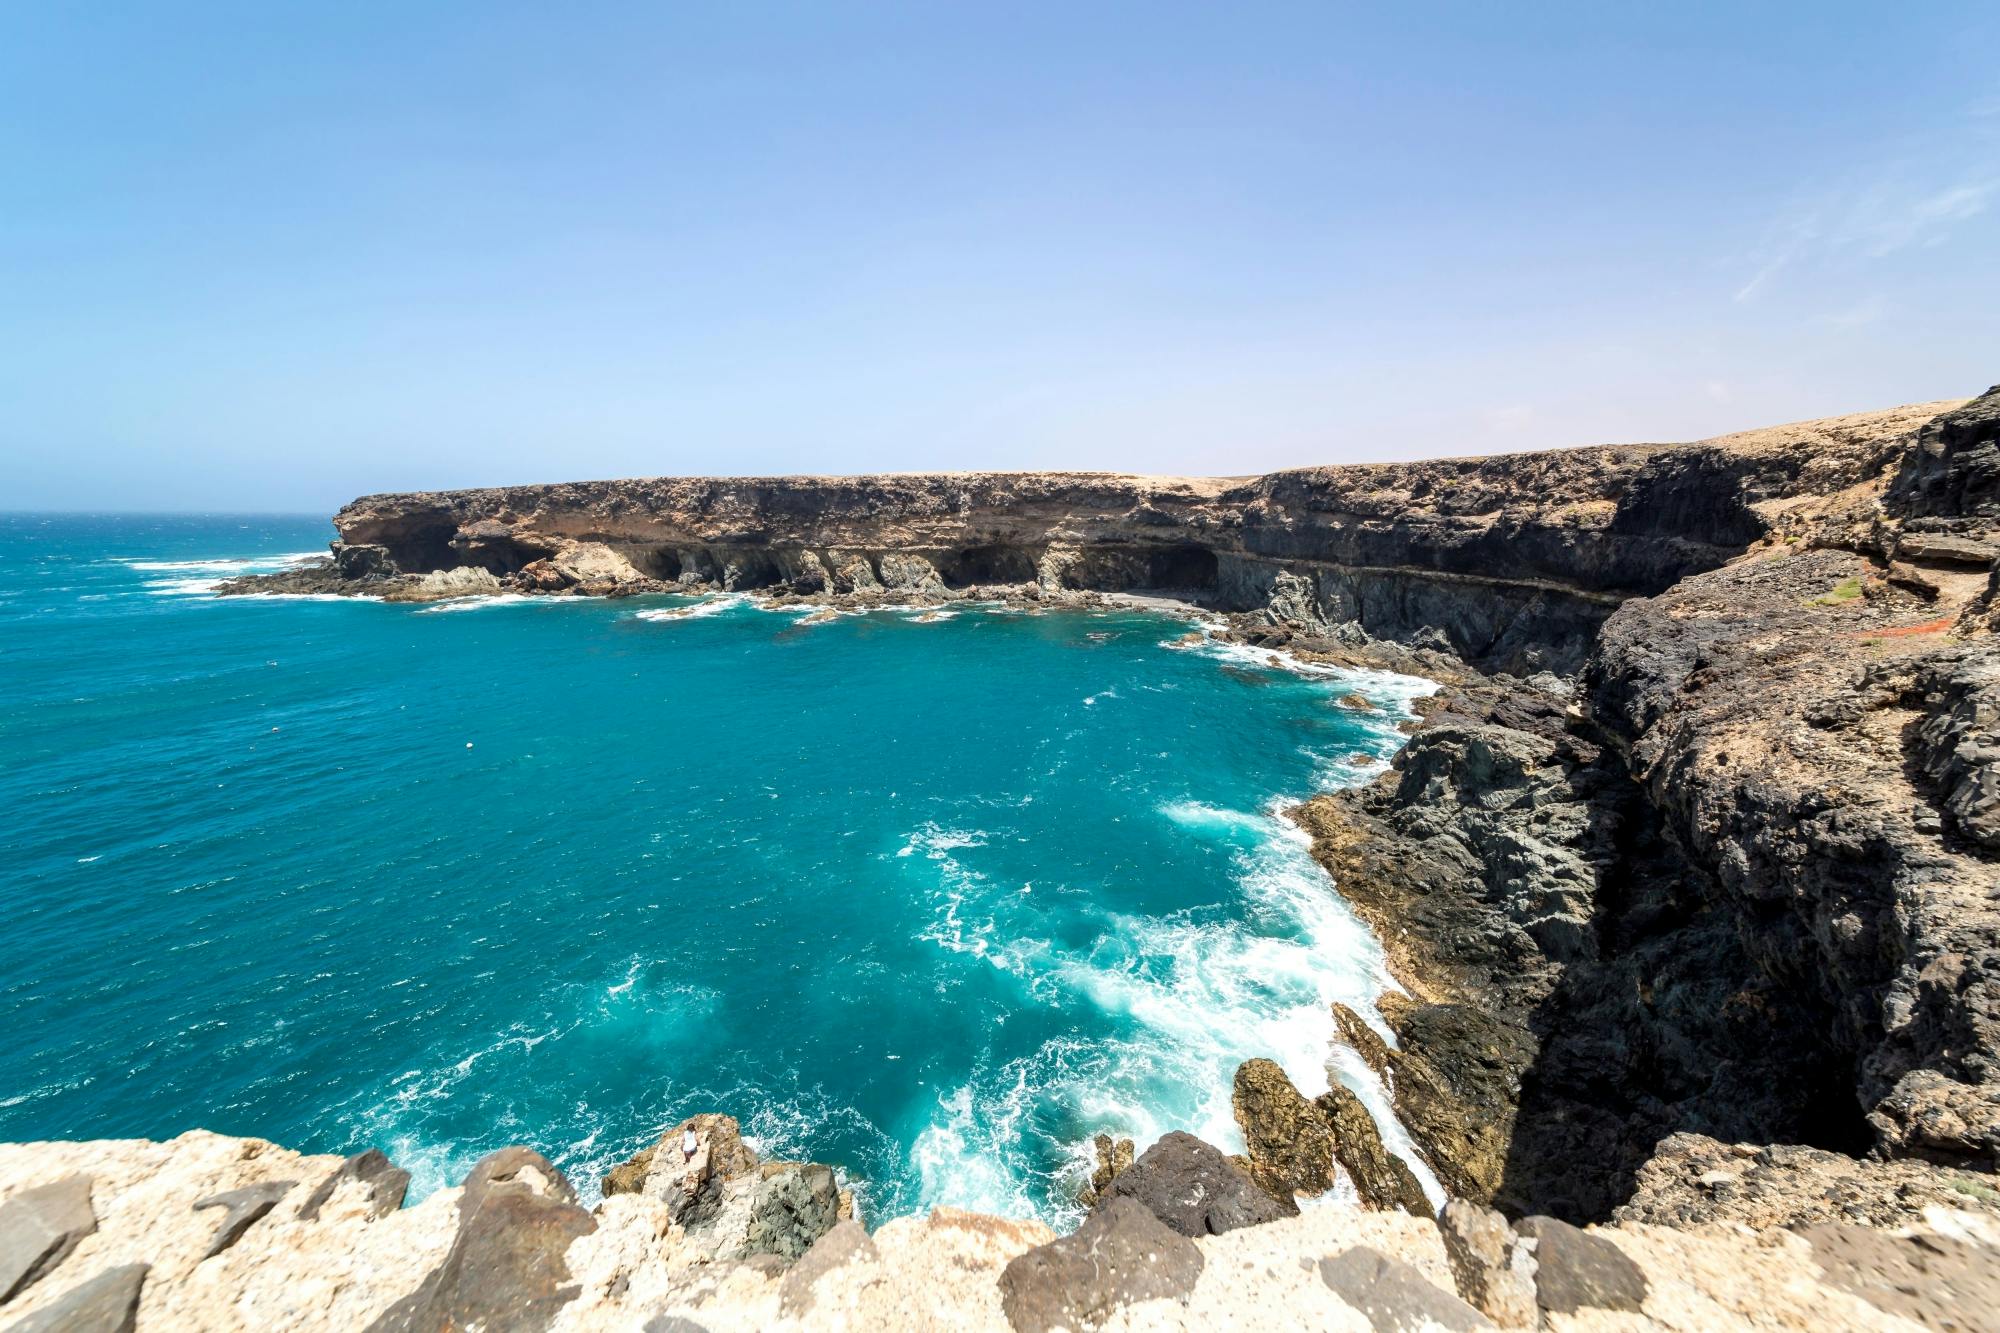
1366 1041
1121 1254
506 1271
1692 1180
106 1303
1394 1297
793 1205
363 560
1380 1177
1194 1189
384 1182
672 1323
847 1242
1289 1143
1941 549
1457 1075
660 1170
1113 1156
242 1208
1575 1270
38 1229
1932 1280
1493 1268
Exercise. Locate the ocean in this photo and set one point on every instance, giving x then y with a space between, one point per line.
929 898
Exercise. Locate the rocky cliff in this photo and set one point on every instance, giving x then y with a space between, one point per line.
1510 562
1741 879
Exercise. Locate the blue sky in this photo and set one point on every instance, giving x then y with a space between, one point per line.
266 256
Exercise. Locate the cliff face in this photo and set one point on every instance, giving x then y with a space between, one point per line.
1509 562
1744 882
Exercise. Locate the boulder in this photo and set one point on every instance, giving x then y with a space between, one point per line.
38 1229
1121 1254
363 560
106 1303
1575 1270
1393 1296
506 1271
792 1206
242 1209
846 1243
1194 1189
384 1182
1493 1268
1290 1144
1380 1177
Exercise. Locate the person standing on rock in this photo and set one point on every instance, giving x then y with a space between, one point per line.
689 1145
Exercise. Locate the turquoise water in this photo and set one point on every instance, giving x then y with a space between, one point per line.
929 900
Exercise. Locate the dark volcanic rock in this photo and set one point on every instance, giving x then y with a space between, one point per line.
1395 1297
1192 1188
1379 1176
385 1182
242 1208
1288 1142
506 1271
794 1204
1575 1270
38 1229
1954 469
106 1303
1121 1254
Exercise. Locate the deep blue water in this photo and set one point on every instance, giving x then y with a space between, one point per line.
932 901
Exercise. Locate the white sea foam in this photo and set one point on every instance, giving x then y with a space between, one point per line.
1196 997
712 605
477 603
201 577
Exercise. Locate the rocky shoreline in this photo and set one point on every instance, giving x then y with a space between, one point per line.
1690 876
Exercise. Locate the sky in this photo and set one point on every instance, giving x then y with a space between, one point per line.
271 257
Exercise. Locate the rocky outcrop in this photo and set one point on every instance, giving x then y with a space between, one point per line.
1737 885
510 1249
1194 1189
1507 562
731 1205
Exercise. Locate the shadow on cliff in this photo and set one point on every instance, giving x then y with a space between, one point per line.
1665 1025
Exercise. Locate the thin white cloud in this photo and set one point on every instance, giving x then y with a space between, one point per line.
1874 221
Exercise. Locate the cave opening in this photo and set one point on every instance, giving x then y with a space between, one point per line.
975 565
1185 568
